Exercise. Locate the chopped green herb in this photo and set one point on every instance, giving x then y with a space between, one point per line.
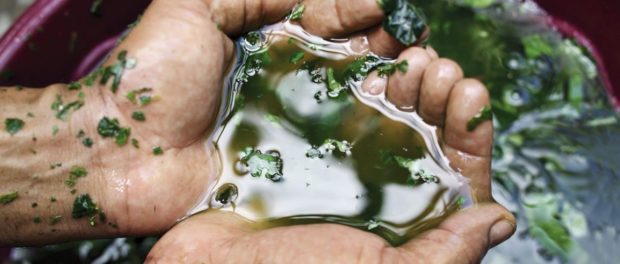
111 128
19 87
81 134
83 206
298 12
53 199
134 95
55 165
13 125
138 116
342 146
267 165
403 21
157 151
116 70
372 224
34 205
30 114
55 130
390 68
334 88
87 142
314 152
417 174
485 114
74 175
297 57
135 143
73 191
74 86
8 198
55 219
95 8
361 67
314 69
63 111
253 38
36 220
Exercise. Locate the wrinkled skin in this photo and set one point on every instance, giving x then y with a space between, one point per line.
184 49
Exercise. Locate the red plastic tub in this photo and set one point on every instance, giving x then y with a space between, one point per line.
61 40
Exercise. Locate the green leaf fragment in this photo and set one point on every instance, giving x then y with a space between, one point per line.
417 174
13 125
138 116
55 219
8 197
297 12
403 21
135 143
334 88
297 57
83 206
74 175
260 165
391 68
95 8
111 128
157 151
485 114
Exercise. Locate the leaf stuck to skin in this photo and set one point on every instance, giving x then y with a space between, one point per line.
8 198
13 125
298 12
486 113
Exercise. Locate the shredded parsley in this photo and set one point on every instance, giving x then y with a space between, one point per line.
87 142
298 12
83 206
55 130
138 116
403 21
334 88
7 198
140 96
55 219
74 86
13 125
485 114
267 165
135 143
390 68
297 57
116 70
329 146
108 128
157 151
74 175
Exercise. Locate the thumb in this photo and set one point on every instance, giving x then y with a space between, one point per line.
465 236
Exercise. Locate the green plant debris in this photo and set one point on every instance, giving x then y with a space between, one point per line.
253 38
391 68
140 97
55 130
83 206
403 21
13 125
138 116
116 70
297 57
417 174
8 198
135 143
314 69
535 46
485 114
34 205
158 151
64 111
298 12
108 128
268 165
74 86
55 166
334 88
30 114
361 67
53 199
75 173
87 142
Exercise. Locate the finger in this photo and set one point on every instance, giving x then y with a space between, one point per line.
432 52
374 84
469 151
464 237
439 78
383 44
336 18
403 88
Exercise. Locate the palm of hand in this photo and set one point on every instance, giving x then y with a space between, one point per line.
183 56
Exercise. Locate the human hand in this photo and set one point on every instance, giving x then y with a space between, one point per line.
435 88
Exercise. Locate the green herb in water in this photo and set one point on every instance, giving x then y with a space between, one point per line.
403 21
390 68
297 57
74 175
267 165
334 88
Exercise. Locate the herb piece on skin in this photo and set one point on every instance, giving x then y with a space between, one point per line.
8 197
157 151
138 116
390 68
334 88
136 96
13 125
55 130
83 206
361 67
267 165
135 143
298 12
297 57
62 111
30 114
486 113
87 142
111 128
53 199
74 86
403 21
116 70
74 175
55 219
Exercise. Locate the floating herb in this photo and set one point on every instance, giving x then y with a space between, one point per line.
13 125
74 86
298 12
485 114
139 96
403 21
8 197
390 68
63 111
267 165
135 143
361 67
87 142
314 69
36 220
111 128
417 174
297 57
334 88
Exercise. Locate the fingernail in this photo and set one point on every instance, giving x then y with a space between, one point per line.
500 232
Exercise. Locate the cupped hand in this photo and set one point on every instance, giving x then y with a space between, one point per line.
184 50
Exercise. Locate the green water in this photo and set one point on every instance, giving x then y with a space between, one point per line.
557 141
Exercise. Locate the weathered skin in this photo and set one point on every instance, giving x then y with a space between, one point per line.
183 49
